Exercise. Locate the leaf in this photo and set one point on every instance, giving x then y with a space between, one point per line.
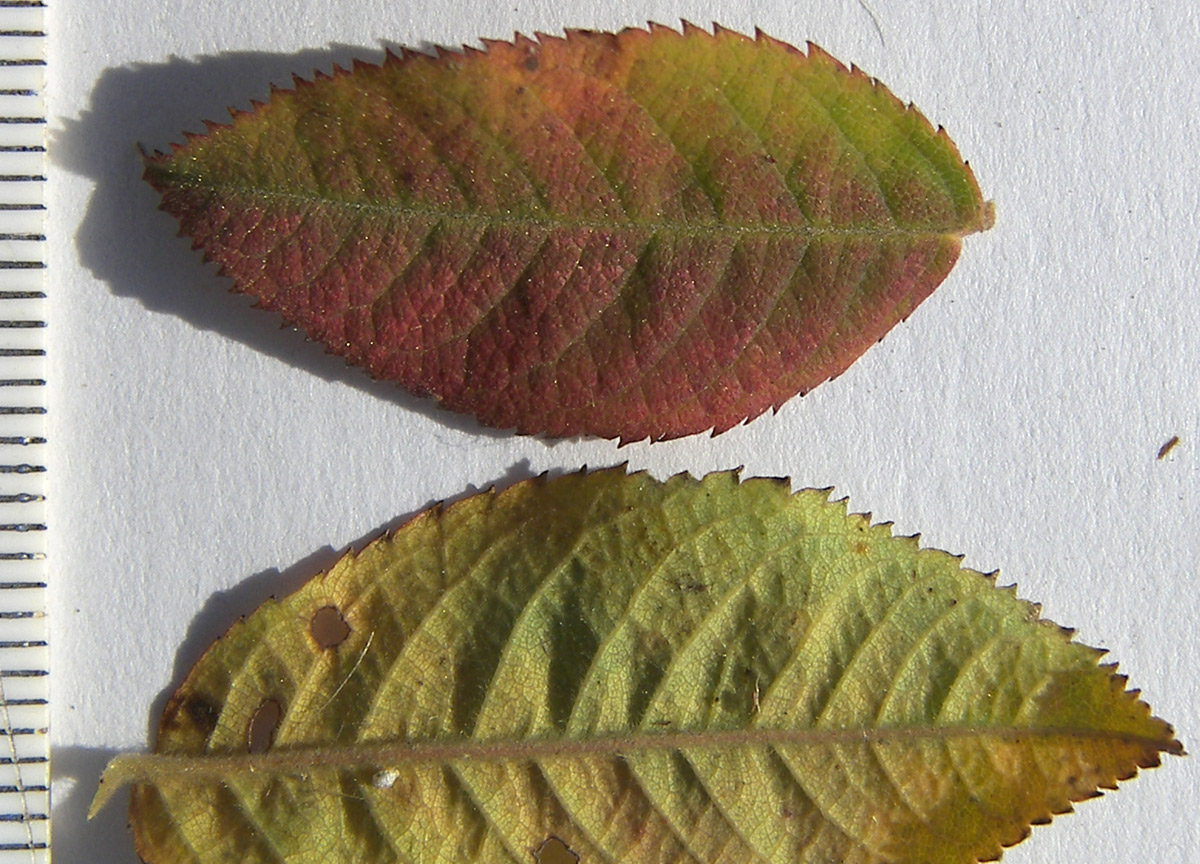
646 234
690 671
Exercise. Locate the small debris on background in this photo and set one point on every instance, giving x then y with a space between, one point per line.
1168 447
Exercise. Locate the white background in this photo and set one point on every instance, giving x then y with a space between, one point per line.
203 459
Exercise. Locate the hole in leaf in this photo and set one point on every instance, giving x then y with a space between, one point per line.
385 779
260 731
554 851
328 628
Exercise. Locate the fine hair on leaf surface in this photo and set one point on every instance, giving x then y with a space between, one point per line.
603 667
645 234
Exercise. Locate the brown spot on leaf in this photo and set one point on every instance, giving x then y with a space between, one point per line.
328 628
1168 446
554 851
190 711
260 731
201 712
531 63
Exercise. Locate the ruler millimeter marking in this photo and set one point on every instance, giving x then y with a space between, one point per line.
24 652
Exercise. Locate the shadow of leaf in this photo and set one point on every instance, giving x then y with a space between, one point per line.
77 770
223 608
75 773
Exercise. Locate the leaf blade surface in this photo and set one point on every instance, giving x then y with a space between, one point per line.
694 671
643 234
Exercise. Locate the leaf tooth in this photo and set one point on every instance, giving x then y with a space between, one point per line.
661 31
1024 835
818 54
520 40
410 55
1068 632
720 32
778 44
820 494
573 34
842 503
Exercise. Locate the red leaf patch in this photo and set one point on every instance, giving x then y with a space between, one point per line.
631 235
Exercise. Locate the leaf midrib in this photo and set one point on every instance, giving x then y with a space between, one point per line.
179 180
152 767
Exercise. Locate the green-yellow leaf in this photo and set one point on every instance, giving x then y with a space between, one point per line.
690 671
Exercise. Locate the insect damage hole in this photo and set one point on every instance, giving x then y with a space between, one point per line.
554 851
328 628
260 731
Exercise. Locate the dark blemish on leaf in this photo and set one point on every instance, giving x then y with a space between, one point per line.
690 586
190 710
554 851
328 628
260 731
1168 447
531 63
201 712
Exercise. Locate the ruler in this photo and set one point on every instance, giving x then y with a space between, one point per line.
24 655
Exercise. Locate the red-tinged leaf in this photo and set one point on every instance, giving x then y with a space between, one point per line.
642 234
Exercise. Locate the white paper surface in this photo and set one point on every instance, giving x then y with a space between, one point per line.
203 459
